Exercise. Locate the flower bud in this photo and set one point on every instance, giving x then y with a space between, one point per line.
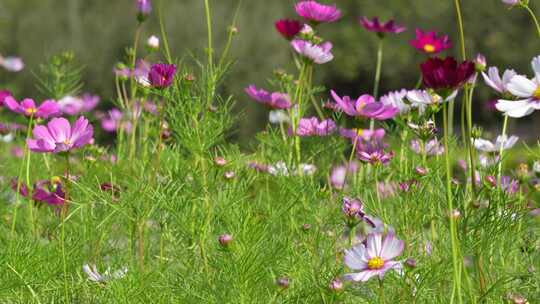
476 132
230 175
225 240
220 161
456 214
153 43
283 282
144 8
336 285
480 63
421 171
410 262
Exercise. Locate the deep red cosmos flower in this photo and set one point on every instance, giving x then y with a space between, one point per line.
446 74
288 28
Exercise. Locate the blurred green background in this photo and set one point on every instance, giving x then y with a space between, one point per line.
98 31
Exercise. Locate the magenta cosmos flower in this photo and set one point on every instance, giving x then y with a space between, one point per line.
49 192
28 107
288 28
161 75
313 127
429 43
274 100
365 106
374 258
374 25
60 136
3 95
318 53
446 74
375 157
316 12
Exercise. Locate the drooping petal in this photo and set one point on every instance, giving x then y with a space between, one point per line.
515 109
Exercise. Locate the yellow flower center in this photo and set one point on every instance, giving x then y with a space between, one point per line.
359 132
536 93
31 111
67 142
430 48
56 180
375 263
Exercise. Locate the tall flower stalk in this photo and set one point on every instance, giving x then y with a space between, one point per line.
377 79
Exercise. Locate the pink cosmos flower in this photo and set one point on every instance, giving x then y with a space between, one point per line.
316 12
433 147
429 43
274 100
374 25
339 174
60 136
313 127
395 99
318 53
374 257
113 121
288 28
528 92
12 64
365 106
511 3
49 192
362 134
161 75
70 105
3 95
377 157
28 107
422 99
494 80
144 8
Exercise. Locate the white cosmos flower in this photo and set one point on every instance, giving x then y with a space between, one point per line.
528 92
494 80
421 99
7 138
536 167
12 64
95 276
278 117
395 99
502 141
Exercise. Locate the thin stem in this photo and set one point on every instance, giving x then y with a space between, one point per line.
381 292
63 233
469 142
533 16
164 35
449 198
377 76
209 29
463 57
501 150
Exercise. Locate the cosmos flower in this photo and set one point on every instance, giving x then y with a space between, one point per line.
288 28
161 75
422 99
94 275
429 43
374 257
528 92
432 147
374 25
377 157
28 107
114 121
318 53
274 100
12 64
395 99
3 95
511 3
316 12
365 106
60 136
446 74
501 141
70 105
313 127
362 134
49 192
494 80
339 174
278 117
353 209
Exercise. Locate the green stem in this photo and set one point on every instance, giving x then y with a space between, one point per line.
501 150
381 292
63 233
164 35
469 142
209 29
533 16
463 56
449 198
377 76
133 91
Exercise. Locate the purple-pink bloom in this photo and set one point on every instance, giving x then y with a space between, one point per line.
60 136
362 134
339 174
274 100
161 75
494 80
374 25
71 105
47 192
432 147
316 12
28 107
429 43
353 208
113 121
144 8
318 53
3 95
365 106
313 127
374 257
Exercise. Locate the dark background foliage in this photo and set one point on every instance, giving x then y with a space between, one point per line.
98 31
